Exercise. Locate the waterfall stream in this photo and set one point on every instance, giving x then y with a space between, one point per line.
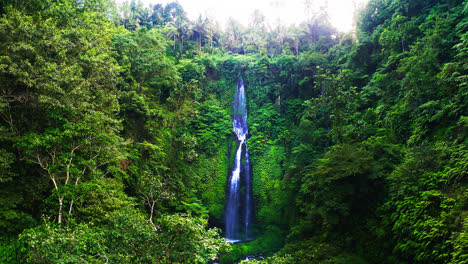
238 214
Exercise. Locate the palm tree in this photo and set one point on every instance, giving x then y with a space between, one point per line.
182 30
172 12
157 15
200 26
172 32
280 34
292 34
317 28
307 7
212 30
132 14
312 31
233 34
257 20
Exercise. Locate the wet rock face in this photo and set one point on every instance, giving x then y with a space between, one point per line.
238 212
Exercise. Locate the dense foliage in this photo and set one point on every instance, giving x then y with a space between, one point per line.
116 142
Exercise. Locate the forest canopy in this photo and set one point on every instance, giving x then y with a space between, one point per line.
116 135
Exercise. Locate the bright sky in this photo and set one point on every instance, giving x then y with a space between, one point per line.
287 11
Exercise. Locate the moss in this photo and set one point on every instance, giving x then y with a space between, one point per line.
272 240
214 171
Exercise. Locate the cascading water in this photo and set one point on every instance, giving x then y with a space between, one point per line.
238 214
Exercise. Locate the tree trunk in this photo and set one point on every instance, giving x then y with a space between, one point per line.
60 199
181 46
199 41
71 208
76 183
151 215
402 45
60 210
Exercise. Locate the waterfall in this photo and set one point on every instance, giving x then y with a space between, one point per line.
238 214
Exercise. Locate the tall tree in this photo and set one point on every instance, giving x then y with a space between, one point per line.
232 35
144 51
257 20
62 96
172 12
157 15
183 30
200 26
212 31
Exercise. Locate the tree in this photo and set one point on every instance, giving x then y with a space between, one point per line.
337 97
257 20
134 15
56 92
212 30
157 15
200 26
232 36
293 37
395 34
70 153
182 31
318 33
279 36
185 239
143 51
172 12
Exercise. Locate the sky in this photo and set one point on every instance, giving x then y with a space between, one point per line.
286 11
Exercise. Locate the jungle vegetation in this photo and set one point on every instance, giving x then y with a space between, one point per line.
116 133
